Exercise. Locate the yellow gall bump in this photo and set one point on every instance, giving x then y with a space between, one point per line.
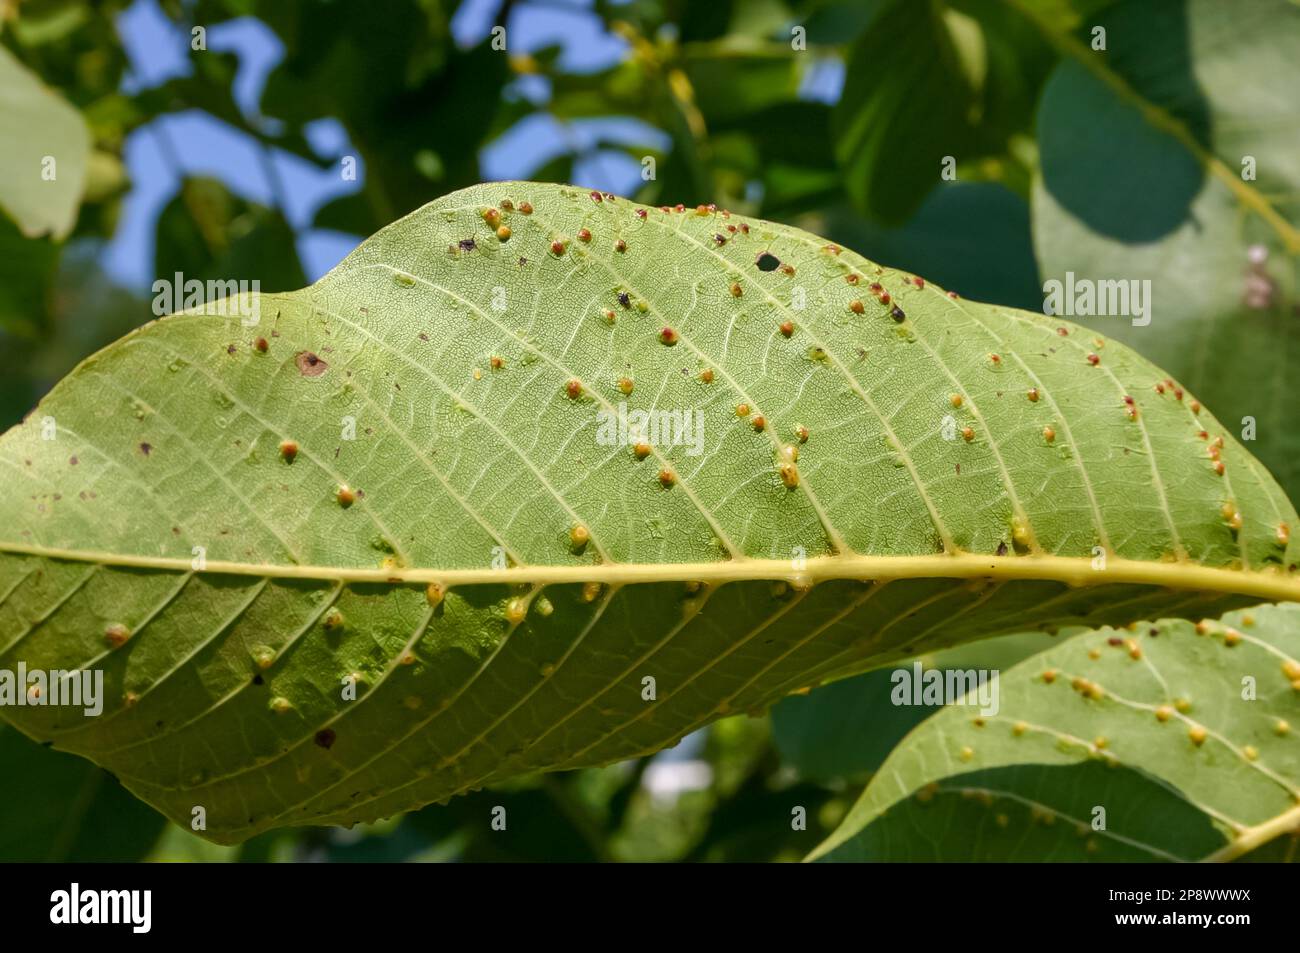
706 376
1247 620
434 593
955 400
641 450
543 606
926 794
516 609
333 620
1283 534
789 453
1032 394
491 216
966 753
503 233
667 478
742 410
1020 534
967 434
280 705
1164 713
579 536
625 385
1251 752
1281 727
1231 637
1049 676
1197 734
1049 434
736 290
116 635
1291 669
1202 627
1019 728
1002 820
408 658
1100 742
1183 705
1094 654
263 657
801 432
590 591
789 475
346 496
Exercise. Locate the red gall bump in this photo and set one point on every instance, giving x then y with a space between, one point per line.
597 197
1063 332
851 278
667 478
667 336
953 295
584 235
262 345
1196 406
620 245
759 423
558 247
736 290
1094 360
884 297
573 387
492 217
526 208
1160 388
995 358
744 228
289 450
787 270
918 281
641 213
787 328
856 306
1032 394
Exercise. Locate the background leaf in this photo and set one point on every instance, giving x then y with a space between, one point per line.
1203 709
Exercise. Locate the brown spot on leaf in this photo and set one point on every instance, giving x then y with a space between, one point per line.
311 365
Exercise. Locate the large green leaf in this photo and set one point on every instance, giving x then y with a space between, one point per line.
1186 174
47 146
1204 711
476 371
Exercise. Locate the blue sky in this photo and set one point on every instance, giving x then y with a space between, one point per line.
159 155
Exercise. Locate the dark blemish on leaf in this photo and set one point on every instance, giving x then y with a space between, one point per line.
766 261
467 244
422 336
719 240
310 364
258 680
625 299
73 461
230 349
897 313
736 290
146 448
620 246
325 738
522 262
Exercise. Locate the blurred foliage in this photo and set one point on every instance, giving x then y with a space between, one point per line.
1060 156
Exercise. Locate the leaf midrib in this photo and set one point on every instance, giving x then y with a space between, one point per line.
1073 570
